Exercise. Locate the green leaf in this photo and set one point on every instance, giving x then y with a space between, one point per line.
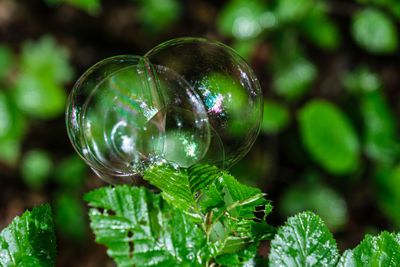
329 137
244 19
361 81
320 29
392 6
6 59
141 229
318 198
178 188
44 68
375 31
12 130
71 172
36 167
380 141
12 124
158 14
382 250
276 116
70 217
39 97
29 240
46 58
245 48
93 7
224 208
380 128
207 185
245 257
289 11
294 78
388 191
304 240
10 151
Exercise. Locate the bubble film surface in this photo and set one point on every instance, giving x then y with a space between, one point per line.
228 88
186 101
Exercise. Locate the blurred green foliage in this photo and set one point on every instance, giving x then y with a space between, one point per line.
6 59
330 99
244 19
36 167
70 216
329 137
91 6
375 31
12 129
156 15
71 172
310 194
276 116
294 78
44 69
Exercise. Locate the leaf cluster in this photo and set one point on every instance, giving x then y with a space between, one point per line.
29 240
305 240
203 216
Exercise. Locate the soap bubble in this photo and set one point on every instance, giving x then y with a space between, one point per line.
125 114
187 101
228 88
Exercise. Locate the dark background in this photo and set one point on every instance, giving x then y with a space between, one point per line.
344 52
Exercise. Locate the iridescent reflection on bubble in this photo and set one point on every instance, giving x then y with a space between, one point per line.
186 101
228 88
125 115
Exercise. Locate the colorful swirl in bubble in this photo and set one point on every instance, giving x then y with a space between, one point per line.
186 101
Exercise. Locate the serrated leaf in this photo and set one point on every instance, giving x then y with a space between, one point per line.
329 137
304 240
375 31
179 187
382 250
29 240
241 258
141 229
201 176
245 198
223 207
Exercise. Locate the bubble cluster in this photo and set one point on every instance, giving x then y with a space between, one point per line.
184 102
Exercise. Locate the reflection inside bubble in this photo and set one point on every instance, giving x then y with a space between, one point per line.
185 102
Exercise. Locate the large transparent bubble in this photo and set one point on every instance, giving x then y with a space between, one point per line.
125 114
186 101
228 88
